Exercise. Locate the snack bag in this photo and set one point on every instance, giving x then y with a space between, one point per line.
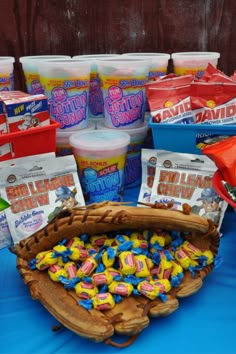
148 160
38 192
213 103
169 100
5 235
223 154
187 178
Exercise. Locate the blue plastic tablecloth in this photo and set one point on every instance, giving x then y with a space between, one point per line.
204 323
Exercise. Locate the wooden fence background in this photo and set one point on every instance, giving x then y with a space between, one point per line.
72 27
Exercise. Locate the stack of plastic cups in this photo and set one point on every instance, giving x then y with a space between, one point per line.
96 104
7 73
193 62
31 74
123 82
159 63
66 85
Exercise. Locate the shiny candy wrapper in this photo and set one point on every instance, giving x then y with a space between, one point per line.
85 290
55 272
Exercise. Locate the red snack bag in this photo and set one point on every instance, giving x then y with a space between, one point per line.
169 100
170 80
223 154
213 103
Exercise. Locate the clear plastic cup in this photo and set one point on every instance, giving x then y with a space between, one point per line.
66 84
96 105
7 73
63 139
133 167
193 62
123 87
159 62
30 69
101 158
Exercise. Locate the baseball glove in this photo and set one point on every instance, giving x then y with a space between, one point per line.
132 314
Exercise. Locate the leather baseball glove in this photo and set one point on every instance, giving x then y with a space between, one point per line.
132 314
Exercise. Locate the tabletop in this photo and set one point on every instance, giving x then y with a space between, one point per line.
203 323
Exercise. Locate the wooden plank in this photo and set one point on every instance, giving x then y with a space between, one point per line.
72 27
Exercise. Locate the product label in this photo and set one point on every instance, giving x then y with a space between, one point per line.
213 114
175 113
198 72
33 84
102 179
68 100
6 83
37 193
124 101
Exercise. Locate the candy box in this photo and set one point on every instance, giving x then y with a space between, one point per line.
27 112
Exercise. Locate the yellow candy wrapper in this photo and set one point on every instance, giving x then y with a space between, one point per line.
98 240
85 290
55 272
127 263
148 289
142 266
71 269
120 288
102 278
45 259
191 250
163 284
87 267
103 301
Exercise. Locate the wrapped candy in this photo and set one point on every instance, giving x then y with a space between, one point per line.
102 278
71 269
103 301
78 253
98 240
75 242
108 257
44 260
85 290
191 250
55 272
163 284
143 265
127 263
120 288
148 289
165 266
87 267
115 273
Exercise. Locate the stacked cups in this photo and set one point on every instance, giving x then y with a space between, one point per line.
31 74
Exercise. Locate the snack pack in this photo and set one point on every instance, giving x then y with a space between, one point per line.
213 103
169 100
187 178
37 192
148 161
5 235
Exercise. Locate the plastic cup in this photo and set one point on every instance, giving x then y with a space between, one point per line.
123 87
30 69
159 62
66 84
63 139
193 62
133 167
95 109
7 73
101 158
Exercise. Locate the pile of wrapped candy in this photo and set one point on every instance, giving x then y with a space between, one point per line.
103 269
